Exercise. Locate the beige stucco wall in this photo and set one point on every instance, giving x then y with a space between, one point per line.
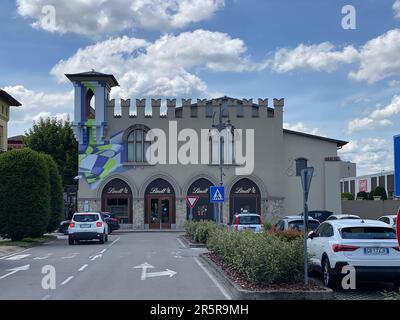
4 123
324 192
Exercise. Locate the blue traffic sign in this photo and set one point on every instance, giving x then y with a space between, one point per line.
217 194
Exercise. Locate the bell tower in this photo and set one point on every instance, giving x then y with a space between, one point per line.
92 91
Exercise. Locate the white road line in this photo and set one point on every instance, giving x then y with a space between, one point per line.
219 286
83 267
46 297
180 242
13 254
114 242
67 280
18 257
104 250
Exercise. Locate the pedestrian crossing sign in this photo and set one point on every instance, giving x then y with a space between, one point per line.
217 194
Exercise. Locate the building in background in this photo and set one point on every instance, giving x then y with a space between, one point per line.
6 101
16 142
368 183
116 176
348 169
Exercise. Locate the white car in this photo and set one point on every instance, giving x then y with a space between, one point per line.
247 221
87 226
390 220
343 216
295 223
369 246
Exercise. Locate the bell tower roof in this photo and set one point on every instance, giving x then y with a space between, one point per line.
94 75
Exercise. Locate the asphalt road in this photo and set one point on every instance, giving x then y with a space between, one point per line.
94 271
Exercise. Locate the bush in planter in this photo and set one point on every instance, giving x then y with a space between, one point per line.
203 231
262 258
363 195
190 227
347 196
380 192
289 235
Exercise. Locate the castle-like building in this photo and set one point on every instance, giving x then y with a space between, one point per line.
115 173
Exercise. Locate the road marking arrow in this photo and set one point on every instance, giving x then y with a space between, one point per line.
42 258
168 272
144 268
15 270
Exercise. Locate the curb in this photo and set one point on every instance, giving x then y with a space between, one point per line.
191 244
241 294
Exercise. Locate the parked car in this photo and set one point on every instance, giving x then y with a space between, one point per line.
390 220
369 246
247 221
295 223
112 222
320 215
343 216
87 226
63 227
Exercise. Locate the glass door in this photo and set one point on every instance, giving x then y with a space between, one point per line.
159 215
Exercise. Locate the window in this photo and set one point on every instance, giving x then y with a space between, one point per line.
137 146
217 141
1 137
371 233
300 165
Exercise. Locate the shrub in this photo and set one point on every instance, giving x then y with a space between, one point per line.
289 235
56 195
203 231
24 194
380 192
347 195
267 226
263 258
363 195
190 227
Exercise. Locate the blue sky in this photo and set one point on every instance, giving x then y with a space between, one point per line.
339 83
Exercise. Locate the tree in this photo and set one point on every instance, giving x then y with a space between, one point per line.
56 138
380 192
24 194
56 194
363 195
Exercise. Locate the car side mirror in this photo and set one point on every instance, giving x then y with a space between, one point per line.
312 235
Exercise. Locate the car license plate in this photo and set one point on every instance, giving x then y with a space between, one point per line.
376 251
85 225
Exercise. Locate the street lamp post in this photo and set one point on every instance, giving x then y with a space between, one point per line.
221 126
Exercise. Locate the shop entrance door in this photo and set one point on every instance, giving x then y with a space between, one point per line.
160 209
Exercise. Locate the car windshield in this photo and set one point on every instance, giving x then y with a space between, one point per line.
350 218
86 217
395 220
368 233
299 225
249 220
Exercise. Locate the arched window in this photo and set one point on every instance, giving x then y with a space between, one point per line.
90 105
222 141
137 145
301 164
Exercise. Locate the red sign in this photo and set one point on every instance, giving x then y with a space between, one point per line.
363 185
192 200
398 226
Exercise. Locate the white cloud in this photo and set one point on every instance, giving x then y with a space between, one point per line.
36 105
106 17
164 67
370 154
318 57
299 126
378 118
396 8
377 59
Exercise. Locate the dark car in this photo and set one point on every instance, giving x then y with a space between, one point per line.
320 215
112 222
63 227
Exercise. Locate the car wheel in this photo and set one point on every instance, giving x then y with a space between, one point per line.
71 242
106 238
102 239
329 279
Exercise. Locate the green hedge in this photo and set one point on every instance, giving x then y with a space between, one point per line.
263 258
200 231
24 194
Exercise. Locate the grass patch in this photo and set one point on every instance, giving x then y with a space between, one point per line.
26 242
